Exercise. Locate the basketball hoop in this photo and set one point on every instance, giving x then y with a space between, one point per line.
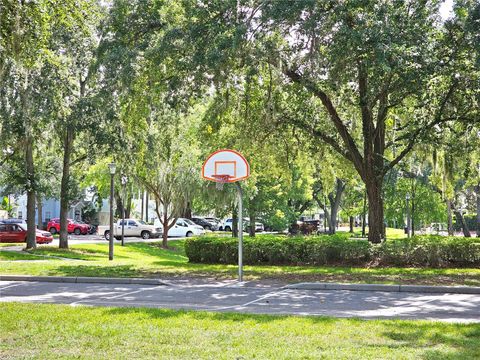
220 180
229 166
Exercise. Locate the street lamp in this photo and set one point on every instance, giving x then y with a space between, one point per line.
124 183
407 198
112 168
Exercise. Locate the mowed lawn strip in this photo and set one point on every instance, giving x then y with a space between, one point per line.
45 331
149 260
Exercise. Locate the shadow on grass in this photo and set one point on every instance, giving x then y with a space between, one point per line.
98 271
213 316
461 341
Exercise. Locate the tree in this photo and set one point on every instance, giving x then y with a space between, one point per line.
25 63
369 65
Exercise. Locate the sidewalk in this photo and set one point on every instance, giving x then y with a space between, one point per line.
209 282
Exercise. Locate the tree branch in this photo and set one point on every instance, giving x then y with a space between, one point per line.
356 157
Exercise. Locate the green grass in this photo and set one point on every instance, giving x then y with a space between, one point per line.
12 255
12 244
33 331
391 233
149 260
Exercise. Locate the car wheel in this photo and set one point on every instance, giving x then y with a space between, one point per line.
208 228
145 235
118 238
53 230
77 231
107 235
189 234
228 228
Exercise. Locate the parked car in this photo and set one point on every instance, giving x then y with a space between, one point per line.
12 233
207 225
258 226
214 220
185 227
72 227
15 221
227 225
132 227
91 229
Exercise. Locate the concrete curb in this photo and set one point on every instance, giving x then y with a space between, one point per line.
386 288
95 280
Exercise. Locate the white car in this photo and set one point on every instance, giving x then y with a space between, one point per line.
227 225
131 227
185 228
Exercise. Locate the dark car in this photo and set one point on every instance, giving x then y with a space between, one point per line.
207 225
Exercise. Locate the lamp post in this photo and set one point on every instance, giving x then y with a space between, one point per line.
124 183
407 198
112 168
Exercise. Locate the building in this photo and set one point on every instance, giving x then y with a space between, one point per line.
50 209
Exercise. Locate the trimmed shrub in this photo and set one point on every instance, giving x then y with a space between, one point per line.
338 249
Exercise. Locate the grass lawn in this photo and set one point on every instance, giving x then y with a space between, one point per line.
11 244
148 260
33 331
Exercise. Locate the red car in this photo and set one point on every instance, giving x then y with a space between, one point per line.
72 227
15 233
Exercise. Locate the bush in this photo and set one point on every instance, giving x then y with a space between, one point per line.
338 249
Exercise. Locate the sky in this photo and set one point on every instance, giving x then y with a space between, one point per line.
446 9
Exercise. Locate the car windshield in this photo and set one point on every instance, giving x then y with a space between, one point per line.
142 222
189 222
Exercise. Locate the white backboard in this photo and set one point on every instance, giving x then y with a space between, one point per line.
227 163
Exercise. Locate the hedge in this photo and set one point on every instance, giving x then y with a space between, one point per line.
339 249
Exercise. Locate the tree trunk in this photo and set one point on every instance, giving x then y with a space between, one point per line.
128 209
462 223
143 205
39 212
364 213
478 209
146 207
187 213
376 230
234 223
65 187
335 204
165 227
449 218
31 238
251 225
351 224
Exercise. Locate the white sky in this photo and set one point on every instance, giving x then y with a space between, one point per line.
446 9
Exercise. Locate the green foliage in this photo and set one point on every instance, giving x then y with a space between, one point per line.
429 205
430 251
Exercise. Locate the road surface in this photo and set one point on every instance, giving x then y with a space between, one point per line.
252 298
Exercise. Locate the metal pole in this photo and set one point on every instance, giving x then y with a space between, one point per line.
325 214
123 212
408 216
240 232
110 243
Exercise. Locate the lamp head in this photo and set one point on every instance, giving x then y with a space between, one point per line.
112 168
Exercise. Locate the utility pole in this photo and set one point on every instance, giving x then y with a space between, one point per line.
407 198
110 240
124 184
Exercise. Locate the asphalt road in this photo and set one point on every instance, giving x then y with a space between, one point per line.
254 298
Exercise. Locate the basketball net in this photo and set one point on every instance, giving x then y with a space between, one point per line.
221 180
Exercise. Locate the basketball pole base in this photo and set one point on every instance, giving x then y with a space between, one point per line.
240 231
